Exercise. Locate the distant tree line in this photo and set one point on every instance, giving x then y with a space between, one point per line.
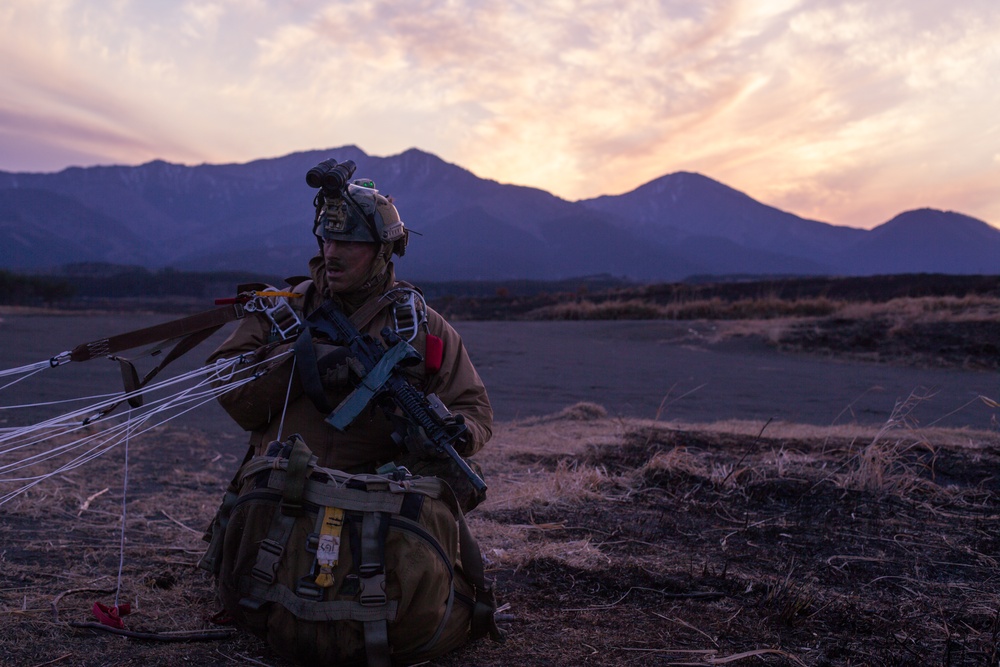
89 281
33 290
138 282
104 281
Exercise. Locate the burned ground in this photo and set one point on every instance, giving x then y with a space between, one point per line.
612 542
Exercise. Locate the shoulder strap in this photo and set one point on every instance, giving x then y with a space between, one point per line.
305 288
363 315
368 310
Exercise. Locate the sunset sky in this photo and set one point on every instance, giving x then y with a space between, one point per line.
845 112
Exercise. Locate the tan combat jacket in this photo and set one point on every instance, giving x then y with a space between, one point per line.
366 443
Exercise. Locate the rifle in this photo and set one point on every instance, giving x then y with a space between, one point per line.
382 378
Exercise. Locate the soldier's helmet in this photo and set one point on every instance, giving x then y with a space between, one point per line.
361 214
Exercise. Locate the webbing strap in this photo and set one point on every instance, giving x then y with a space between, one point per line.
377 644
374 527
432 487
155 334
483 613
328 495
317 611
271 549
130 377
308 367
295 477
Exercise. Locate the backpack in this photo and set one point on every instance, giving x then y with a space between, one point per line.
332 568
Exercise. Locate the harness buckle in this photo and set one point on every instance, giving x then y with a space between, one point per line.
284 320
409 312
373 591
308 590
267 561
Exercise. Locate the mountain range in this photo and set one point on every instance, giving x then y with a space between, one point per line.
257 217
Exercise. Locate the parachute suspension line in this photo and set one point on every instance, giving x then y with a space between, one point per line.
47 403
222 370
57 360
23 377
165 404
288 393
87 457
121 548
103 441
70 422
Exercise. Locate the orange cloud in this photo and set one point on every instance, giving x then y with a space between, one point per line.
845 112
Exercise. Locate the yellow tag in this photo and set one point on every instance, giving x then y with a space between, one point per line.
328 549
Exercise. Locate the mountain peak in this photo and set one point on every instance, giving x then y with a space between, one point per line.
677 185
928 223
929 215
221 215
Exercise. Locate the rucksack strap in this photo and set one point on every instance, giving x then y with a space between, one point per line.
483 613
484 610
258 593
374 528
216 532
295 478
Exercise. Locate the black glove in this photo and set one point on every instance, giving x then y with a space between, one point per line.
332 362
418 444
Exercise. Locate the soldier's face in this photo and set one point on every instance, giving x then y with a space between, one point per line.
347 263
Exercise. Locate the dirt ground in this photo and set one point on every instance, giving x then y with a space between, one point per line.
612 542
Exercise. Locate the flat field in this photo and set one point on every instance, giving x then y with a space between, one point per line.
661 493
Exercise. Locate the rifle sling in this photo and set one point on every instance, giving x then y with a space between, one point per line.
307 367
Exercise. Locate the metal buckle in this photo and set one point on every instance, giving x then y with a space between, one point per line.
409 313
284 319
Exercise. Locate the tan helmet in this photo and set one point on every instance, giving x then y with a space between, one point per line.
360 214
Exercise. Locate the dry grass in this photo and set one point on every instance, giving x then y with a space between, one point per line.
926 331
700 309
926 309
971 307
